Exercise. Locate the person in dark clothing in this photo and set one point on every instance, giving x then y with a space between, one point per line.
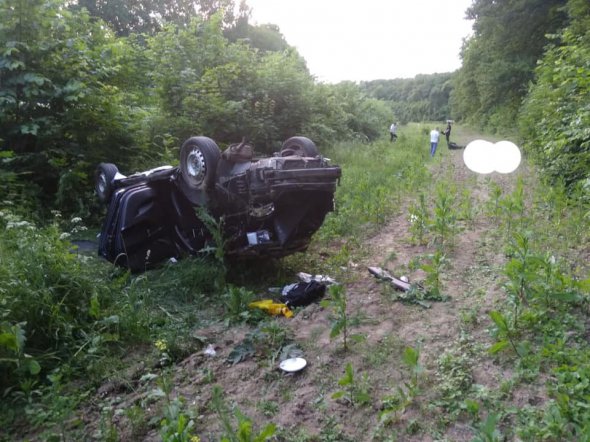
447 132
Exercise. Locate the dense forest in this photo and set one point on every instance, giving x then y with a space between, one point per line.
87 81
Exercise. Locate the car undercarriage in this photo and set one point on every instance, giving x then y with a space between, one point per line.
264 207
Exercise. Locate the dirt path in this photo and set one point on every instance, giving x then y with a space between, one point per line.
304 400
435 330
302 404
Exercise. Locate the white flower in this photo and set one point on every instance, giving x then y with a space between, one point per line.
64 235
18 224
76 220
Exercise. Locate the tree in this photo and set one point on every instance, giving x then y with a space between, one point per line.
149 16
422 98
266 37
60 110
499 60
555 118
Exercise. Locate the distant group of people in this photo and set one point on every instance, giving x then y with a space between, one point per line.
434 135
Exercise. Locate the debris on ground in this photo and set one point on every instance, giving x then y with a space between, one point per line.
272 307
410 293
210 350
300 294
303 293
384 275
306 277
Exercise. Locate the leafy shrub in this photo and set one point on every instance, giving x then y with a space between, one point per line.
556 114
49 299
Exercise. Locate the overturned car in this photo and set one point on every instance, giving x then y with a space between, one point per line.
265 207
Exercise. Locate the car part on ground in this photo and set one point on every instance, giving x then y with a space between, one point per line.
266 207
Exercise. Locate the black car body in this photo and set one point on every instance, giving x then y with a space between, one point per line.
264 206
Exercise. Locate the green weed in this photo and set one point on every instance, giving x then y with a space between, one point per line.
444 218
215 228
513 209
467 210
355 392
395 404
433 266
268 408
243 430
269 342
454 378
236 301
419 218
505 334
177 425
487 430
137 421
411 358
341 321
493 204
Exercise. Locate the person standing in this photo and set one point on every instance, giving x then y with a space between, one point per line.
393 132
434 136
447 132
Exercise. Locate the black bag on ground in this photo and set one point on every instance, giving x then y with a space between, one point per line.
304 293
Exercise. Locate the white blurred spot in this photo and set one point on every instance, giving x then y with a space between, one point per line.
478 156
507 156
210 350
483 157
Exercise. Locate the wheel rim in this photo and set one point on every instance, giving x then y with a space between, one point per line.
102 183
195 165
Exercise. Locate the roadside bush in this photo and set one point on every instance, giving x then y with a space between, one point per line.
50 301
555 116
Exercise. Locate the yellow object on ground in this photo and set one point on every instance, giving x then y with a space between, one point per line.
271 307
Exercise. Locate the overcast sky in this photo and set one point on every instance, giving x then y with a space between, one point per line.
370 39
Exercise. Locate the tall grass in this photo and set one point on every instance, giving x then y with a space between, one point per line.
375 177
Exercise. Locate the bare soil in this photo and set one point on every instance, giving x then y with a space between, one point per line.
301 404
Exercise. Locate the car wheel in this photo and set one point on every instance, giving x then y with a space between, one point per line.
301 146
104 177
198 161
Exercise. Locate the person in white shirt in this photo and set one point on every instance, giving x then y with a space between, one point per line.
434 135
393 132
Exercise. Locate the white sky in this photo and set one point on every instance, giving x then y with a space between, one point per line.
370 39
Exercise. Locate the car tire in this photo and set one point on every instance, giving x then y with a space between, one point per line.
198 162
301 146
103 181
